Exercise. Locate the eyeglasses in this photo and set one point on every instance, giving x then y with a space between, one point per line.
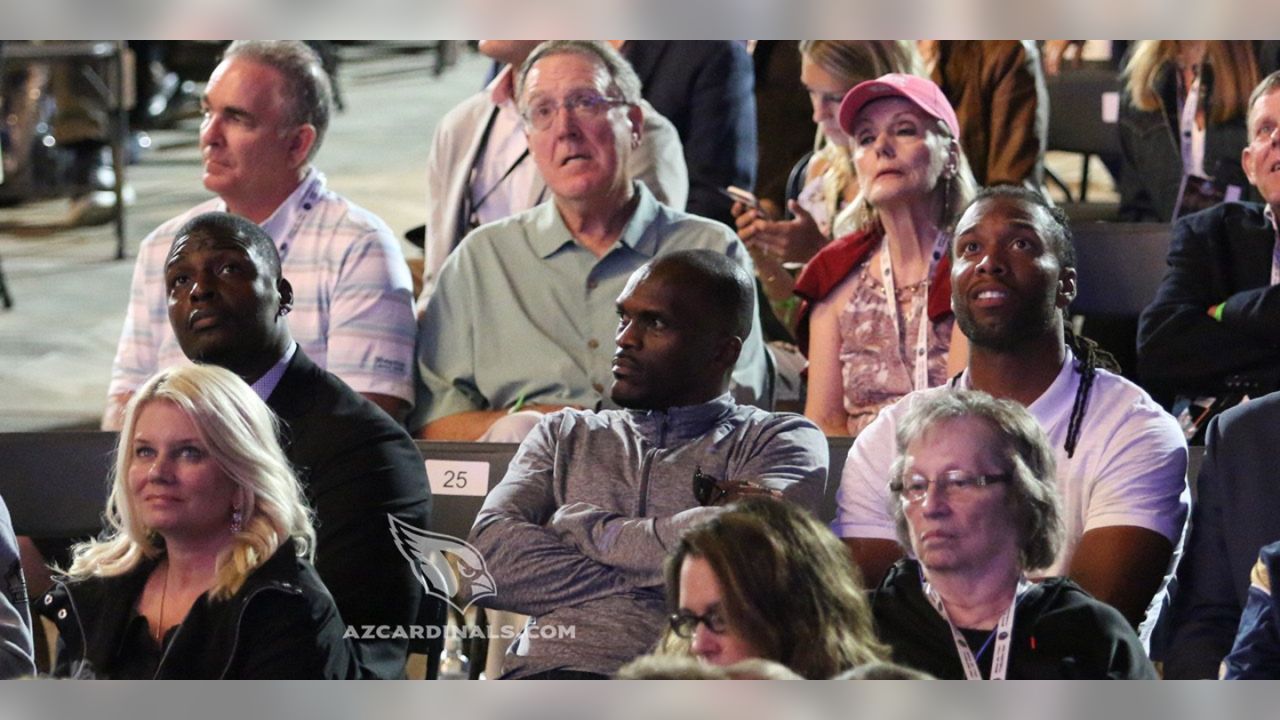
581 105
706 488
684 624
915 488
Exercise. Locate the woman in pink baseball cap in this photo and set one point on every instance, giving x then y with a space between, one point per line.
878 300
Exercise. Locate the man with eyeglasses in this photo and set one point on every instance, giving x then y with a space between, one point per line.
1217 314
576 533
522 314
479 169
1121 459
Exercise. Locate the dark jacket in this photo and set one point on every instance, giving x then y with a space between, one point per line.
357 465
1151 173
1256 653
1237 511
1059 633
281 624
706 89
1220 255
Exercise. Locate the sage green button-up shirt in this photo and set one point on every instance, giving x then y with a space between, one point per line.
522 309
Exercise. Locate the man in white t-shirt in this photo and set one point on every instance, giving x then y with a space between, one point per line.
1121 459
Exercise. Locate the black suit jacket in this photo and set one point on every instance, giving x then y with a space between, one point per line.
1237 511
1220 255
706 89
356 465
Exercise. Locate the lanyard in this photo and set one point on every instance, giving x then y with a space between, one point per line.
471 207
1003 633
920 376
1192 137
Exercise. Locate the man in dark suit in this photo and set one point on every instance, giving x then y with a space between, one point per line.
227 306
1237 511
1217 316
1212 329
706 89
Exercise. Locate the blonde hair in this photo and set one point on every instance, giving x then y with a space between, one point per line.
852 62
240 434
1235 73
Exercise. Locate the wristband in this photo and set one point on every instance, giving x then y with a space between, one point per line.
519 404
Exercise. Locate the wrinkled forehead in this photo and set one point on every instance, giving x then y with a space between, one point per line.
566 70
1264 108
1002 213
204 240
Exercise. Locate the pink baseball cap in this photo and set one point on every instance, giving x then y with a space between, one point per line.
920 91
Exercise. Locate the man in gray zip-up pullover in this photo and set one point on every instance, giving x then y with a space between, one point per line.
576 533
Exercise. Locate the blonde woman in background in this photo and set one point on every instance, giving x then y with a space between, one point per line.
1183 114
204 571
828 70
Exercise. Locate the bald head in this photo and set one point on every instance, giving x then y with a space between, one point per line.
721 289
227 300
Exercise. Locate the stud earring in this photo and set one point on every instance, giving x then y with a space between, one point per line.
237 521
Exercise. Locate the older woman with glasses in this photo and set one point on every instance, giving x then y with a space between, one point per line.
974 498
204 572
766 580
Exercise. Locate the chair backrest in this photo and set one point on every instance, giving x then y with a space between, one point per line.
1083 110
839 449
461 475
56 484
458 470
1119 266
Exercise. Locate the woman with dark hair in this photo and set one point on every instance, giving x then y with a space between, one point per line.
767 580
974 499
204 571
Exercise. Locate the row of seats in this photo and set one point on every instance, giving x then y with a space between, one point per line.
56 484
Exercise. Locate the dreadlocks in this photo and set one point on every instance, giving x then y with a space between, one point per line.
1088 353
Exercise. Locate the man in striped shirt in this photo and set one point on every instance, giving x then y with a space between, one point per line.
266 109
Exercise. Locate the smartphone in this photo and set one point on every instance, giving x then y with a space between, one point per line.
746 197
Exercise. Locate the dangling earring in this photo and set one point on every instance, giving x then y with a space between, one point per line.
237 521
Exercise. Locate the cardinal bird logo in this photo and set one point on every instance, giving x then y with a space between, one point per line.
426 553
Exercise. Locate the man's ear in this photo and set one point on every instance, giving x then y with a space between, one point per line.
636 117
300 144
728 351
286 295
1248 166
1066 286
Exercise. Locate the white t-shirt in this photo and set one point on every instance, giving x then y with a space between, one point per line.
1129 467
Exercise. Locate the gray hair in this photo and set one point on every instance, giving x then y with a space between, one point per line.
622 77
1268 84
1033 495
307 88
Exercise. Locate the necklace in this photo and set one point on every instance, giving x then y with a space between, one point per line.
164 593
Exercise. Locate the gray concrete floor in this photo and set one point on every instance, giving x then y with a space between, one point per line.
58 341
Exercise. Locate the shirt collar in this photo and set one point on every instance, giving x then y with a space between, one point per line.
551 234
502 89
1062 386
680 423
266 384
283 218
1270 215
